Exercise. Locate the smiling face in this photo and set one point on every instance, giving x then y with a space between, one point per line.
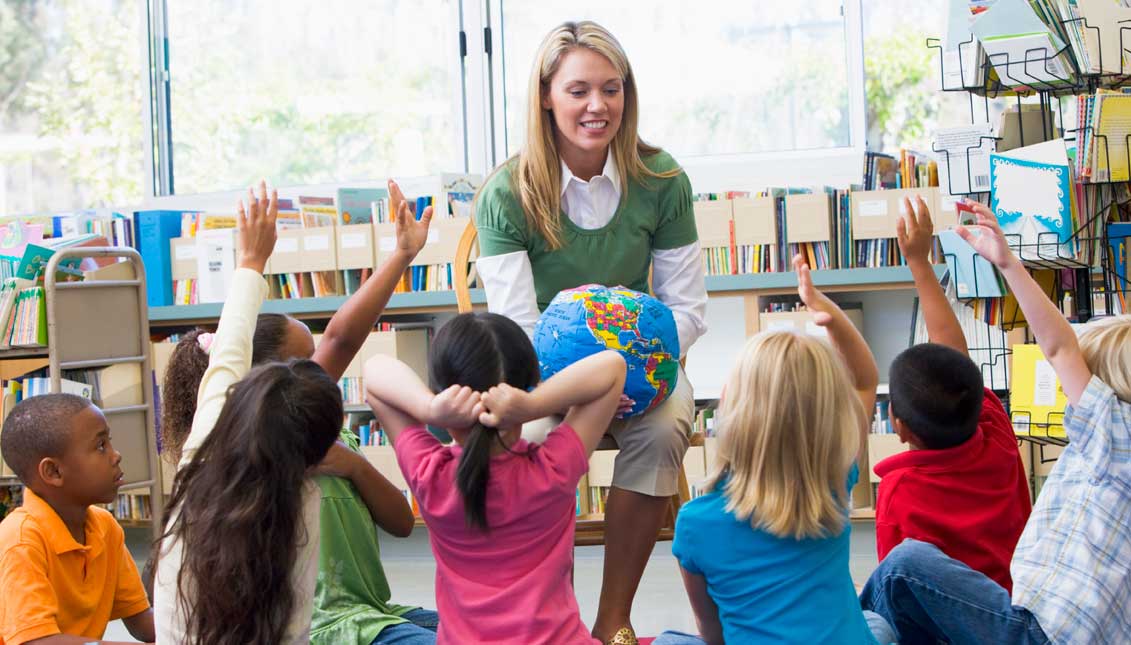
90 466
586 98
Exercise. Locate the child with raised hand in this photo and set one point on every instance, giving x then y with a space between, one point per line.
65 571
962 486
238 557
352 601
764 554
500 511
1072 566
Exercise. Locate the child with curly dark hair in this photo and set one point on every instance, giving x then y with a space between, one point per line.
338 514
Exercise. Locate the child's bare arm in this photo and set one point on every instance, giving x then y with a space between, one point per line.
351 325
401 400
387 506
590 389
67 639
915 232
705 610
1054 334
844 335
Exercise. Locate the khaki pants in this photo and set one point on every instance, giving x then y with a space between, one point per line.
651 445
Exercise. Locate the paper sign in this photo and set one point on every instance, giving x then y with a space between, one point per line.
186 252
878 208
287 245
1044 385
353 240
316 242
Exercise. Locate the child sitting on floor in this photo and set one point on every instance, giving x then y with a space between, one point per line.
1072 566
764 554
64 568
962 486
500 511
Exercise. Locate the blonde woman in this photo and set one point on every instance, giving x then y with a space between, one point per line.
764 554
586 201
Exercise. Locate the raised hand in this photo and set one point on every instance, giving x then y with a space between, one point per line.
915 231
256 227
815 301
457 407
503 405
986 237
412 234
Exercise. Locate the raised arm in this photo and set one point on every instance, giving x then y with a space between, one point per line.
915 231
351 325
845 337
1054 334
401 400
590 389
229 357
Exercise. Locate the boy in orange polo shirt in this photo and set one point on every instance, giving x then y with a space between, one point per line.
65 572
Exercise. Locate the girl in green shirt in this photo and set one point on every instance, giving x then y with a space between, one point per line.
352 597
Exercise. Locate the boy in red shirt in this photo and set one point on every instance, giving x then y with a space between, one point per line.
961 486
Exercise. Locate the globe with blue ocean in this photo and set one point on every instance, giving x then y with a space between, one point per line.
592 318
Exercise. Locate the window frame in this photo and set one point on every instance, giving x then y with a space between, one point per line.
483 102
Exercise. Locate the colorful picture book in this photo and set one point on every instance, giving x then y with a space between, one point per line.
974 276
1033 197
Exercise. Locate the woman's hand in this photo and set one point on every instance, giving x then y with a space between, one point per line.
256 226
412 234
457 407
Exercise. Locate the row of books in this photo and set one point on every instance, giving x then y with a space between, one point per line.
1033 44
832 228
311 262
131 507
909 170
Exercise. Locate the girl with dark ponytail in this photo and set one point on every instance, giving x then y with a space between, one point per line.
500 511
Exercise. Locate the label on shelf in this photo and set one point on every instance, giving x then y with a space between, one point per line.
353 240
316 242
876 208
287 245
186 251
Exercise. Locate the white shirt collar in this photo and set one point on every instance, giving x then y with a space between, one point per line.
609 172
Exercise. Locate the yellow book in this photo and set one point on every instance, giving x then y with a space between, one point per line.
1036 398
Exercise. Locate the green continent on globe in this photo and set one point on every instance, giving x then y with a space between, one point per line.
607 317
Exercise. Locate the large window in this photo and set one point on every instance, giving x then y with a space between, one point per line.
715 78
70 98
312 92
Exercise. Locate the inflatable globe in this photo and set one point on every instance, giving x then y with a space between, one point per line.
592 318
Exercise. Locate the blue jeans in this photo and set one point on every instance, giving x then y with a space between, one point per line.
420 630
879 627
928 596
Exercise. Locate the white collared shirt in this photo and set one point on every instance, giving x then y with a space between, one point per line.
677 274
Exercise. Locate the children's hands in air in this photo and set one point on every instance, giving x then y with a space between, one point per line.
457 407
815 301
339 461
986 237
411 232
256 226
504 405
915 230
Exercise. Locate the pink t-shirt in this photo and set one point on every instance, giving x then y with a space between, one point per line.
511 584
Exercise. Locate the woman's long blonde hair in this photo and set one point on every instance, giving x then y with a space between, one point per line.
790 430
537 175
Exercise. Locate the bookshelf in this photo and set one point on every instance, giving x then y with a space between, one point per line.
101 323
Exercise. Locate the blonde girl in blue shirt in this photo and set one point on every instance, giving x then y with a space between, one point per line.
764 554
